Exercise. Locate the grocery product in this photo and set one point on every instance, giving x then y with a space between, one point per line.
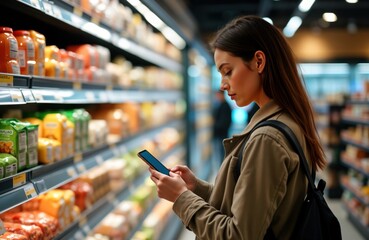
13 140
8 51
12 236
8 165
26 52
52 62
39 42
49 150
32 232
55 127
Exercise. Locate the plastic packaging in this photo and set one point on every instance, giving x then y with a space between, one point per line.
8 51
39 42
26 52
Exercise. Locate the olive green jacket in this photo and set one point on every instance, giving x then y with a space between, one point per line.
269 191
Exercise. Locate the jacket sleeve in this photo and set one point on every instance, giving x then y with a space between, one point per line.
257 194
203 189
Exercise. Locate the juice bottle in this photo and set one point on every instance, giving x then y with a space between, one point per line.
8 51
40 44
26 52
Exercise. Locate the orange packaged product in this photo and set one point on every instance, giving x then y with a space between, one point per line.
39 44
8 51
52 65
88 52
26 52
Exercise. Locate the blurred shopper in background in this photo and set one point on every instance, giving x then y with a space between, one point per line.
222 116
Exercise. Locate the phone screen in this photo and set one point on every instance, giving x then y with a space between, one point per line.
153 162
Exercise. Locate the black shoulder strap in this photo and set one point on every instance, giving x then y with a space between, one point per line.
293 141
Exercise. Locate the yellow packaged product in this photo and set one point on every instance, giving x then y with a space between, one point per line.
53 204
49 150
70 138
45 151
52 59
56 127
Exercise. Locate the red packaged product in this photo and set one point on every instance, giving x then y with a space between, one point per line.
48 224
83 192
32 232
12 236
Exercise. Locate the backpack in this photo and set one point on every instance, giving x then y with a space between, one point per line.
316 220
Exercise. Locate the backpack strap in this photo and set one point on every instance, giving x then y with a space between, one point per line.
292 140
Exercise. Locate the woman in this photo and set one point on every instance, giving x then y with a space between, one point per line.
256 65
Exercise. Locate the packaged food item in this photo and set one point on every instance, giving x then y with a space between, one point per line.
26 52
12 236
39 42
9 164
35 121
13 140
32 232
76 120
8 51
55 127
32 143
52 59
49 150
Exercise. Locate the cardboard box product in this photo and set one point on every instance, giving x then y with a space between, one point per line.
13 140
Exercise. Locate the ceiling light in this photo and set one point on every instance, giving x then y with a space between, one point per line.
305 5
329 17
352 1
293 24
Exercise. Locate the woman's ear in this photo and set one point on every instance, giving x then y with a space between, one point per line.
260 60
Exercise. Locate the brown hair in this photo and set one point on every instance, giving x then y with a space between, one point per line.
245 35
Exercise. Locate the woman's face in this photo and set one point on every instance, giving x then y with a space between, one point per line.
241 80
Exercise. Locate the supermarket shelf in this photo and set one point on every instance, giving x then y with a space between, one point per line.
351 190
361 146
352 120
356 168
58 12
93 216
24 186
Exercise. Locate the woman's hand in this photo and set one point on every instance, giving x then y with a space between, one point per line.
168 187
187 175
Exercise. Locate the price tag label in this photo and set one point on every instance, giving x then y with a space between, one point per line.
39 97
90 96
19 180
30 191
27 94
77 86
99 160
16 96
6 80
57 13
95 20
82 221
77 11
86 229
41 185
78 235
71 172
103 97
81 168
36 4
78 157
48 8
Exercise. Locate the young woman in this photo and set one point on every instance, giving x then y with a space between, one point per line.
257 65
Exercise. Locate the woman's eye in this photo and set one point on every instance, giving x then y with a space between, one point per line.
227 73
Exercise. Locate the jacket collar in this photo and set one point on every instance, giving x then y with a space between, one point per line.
269 109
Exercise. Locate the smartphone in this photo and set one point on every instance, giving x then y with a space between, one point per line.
153 162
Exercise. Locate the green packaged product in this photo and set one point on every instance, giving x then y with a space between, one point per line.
32 143
9 164
13 140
